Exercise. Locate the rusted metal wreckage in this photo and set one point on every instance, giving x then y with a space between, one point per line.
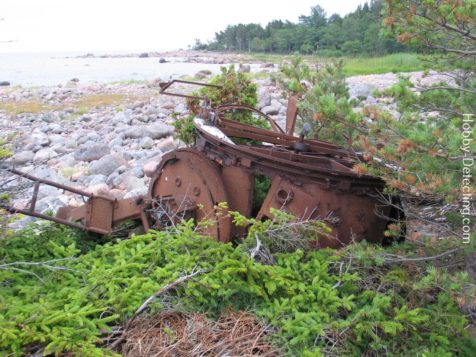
310 179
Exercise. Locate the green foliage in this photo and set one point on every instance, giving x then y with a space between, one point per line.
236 88
281 233
446 28
185 129
314 299
294 74
421 150
358 33
326 105
260 190
4 152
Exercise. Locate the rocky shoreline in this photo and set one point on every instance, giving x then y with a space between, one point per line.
185 56
109 138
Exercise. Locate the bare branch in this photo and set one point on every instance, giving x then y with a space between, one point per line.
152 298
393 258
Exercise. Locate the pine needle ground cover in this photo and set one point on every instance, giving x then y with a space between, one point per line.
60 293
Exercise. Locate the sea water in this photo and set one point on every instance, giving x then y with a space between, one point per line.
46 69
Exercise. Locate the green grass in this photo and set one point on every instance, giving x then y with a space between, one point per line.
397 62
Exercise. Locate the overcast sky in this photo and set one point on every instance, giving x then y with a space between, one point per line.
137 25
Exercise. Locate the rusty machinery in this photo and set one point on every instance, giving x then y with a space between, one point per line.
310 179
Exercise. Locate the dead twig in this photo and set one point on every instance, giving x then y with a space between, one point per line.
151 299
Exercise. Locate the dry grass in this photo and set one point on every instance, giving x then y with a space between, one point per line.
100 100
30 106
95 101
79 105
193 334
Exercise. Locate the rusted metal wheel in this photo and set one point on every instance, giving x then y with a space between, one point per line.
191 185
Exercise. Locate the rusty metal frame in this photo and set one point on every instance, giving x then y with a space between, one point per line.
312 179
90 221
165 86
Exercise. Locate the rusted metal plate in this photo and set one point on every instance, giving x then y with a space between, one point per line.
188 175
351 216
239 184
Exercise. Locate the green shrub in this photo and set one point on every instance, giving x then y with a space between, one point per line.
319 302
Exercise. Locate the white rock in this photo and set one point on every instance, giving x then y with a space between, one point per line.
146 143
44 155
23 157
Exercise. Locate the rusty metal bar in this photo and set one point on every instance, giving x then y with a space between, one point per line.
167 85
55 184
35 197
226 107
27 212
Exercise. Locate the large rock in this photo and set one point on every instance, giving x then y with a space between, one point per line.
91 153
203 74
51 203
156 131
40 139
167 144
246 68
44 155
100 189
23 157
150 167
92 180
264 99
270 110
360 90
47 173
116 142
106 165
146 143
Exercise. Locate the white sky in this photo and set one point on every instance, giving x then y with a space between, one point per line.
137 25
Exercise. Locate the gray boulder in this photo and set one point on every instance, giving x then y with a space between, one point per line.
91 153
156 131
105 165
44 154
23 157
360 90
167 144
270 110
264 99
203 74
146 143
246 68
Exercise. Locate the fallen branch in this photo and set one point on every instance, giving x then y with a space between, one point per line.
393 258
151 299
45 264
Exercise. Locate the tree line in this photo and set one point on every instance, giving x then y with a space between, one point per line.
358 33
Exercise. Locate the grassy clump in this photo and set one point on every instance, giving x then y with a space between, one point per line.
347 302
92 101
26 106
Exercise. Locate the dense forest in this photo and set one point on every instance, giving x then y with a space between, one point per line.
358 33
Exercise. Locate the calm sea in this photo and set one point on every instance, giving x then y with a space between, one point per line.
37 69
